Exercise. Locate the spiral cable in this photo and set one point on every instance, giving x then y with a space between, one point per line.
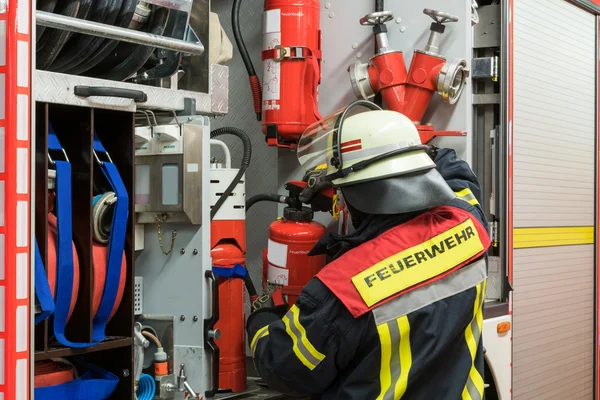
146 388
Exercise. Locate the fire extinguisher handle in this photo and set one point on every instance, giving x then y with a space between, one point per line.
210 334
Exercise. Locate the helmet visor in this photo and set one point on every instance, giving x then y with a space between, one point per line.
320 143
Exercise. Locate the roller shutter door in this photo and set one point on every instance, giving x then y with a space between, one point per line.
554 133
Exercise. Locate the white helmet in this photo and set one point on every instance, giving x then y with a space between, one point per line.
376 157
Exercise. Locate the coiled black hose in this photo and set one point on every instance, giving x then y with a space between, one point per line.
245 163
77 50
272 197
239 40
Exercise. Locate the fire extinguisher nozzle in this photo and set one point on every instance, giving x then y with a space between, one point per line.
259 116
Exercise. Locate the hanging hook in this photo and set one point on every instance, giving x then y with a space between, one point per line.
153 116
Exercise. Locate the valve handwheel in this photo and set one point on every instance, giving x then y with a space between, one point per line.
377 18
439 16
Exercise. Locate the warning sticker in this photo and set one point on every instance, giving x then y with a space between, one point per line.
272 69
277 276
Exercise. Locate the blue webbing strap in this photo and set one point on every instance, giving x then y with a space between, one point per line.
116 241
64 247
238 271
42 288
95 384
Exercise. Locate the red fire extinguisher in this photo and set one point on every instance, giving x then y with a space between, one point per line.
287 267
292 69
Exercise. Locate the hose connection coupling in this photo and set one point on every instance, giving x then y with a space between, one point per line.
452 80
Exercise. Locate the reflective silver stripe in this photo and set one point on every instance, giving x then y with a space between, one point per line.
458 281
467 196
473 392
304 354
395 367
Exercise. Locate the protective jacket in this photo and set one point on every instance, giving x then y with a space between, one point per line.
396 315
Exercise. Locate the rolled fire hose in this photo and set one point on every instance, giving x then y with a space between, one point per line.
103 206
99 258
103 309
57 379
52 373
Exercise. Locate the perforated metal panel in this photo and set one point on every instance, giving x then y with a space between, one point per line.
554 161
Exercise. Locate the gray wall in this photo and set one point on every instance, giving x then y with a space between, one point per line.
344 41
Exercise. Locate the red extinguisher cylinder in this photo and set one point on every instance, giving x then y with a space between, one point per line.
291 60
288 263
227 250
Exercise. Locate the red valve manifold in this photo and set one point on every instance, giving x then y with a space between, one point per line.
408 92
292 69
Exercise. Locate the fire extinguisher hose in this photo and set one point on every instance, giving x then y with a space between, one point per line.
239 40
272 197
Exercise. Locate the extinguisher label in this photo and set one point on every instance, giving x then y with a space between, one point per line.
272 69
277 253
277 276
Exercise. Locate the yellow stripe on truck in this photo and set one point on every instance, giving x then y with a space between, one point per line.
524 238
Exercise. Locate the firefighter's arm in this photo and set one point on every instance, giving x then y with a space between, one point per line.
457 173
299 354
459 176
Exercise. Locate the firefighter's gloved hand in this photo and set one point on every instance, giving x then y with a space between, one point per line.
433 152
315 183
274 303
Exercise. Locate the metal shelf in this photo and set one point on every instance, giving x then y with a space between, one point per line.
60 352
52 87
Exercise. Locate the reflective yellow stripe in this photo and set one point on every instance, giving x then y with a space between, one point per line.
385 375
553 236
303 336
405 357
467 196
261 333
474 386
396 358
303 348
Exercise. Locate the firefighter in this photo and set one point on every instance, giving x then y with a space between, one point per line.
397 314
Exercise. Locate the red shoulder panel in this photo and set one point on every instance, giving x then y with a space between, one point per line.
408 256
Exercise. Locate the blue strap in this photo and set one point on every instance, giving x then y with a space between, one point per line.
42 288
64 248
238 271
116 241
96 384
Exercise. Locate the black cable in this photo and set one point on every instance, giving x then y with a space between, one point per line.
239 40
245 163
379 5
272 197
250 285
